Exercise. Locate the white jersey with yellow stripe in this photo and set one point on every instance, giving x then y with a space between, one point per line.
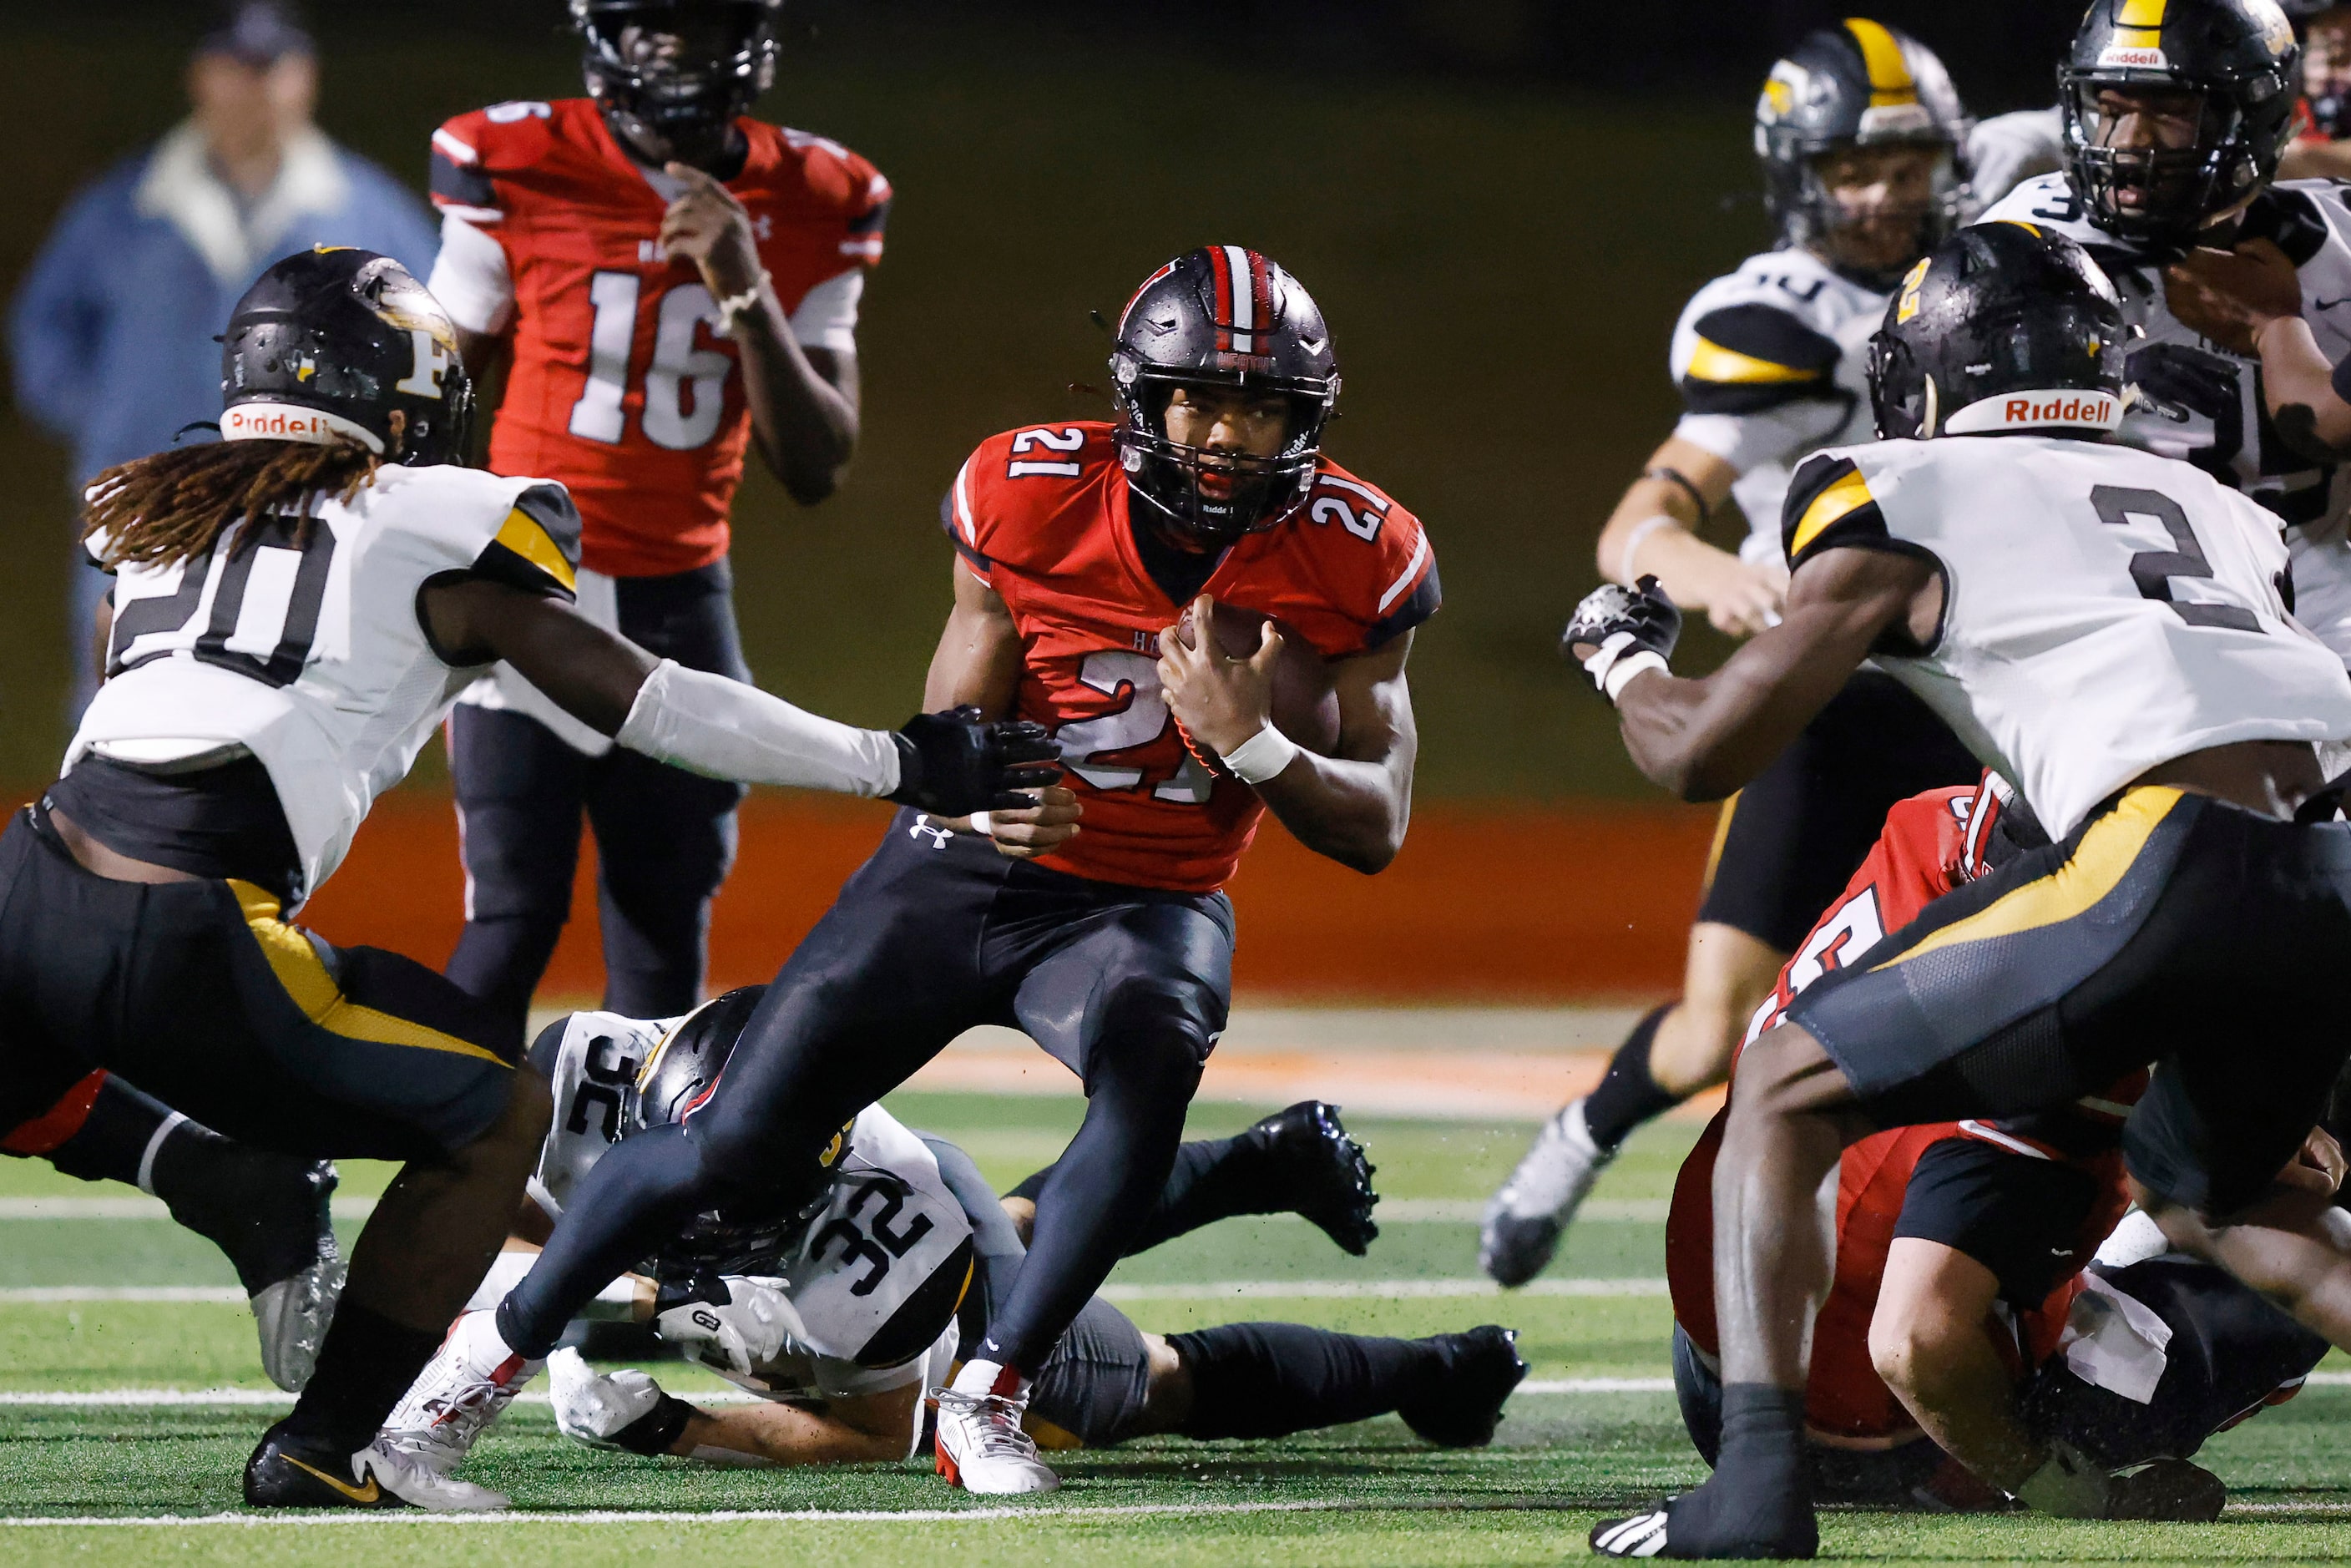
299 642
1772 361
2203 404
2105 609
875 1278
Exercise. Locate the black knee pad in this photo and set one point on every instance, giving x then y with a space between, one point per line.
1149 1028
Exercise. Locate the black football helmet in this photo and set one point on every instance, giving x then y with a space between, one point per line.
2007 326
330 344
726 58
2239 61
679 1076
1859 84
1221 316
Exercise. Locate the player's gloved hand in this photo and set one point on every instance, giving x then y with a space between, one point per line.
2179 381
736 1324
954 763
624 1410
1617 633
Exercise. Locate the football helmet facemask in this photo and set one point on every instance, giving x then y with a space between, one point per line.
1228 319
1859 84
721 56
2230 67
341 344
2006 327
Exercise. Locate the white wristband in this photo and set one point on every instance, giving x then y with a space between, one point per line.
1622 672
739 304
720 729
1636 539
1262 756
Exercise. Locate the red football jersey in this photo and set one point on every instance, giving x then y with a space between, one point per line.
621 387
1040 516
1931 843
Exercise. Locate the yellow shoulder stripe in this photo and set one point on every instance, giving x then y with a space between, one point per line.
1710 361
2107 850
1847 494
522 534
1890 81
299 969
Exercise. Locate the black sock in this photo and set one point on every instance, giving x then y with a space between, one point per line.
1760 1495
1212 1180
1268 1380
115 1135
260 1207
1628 1096
366 1364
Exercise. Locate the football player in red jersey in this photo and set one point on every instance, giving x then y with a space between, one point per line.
1094 921
673 281
1949 1329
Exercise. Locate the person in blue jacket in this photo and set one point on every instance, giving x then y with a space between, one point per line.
114 330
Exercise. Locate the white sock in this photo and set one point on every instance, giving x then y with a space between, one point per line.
989 1378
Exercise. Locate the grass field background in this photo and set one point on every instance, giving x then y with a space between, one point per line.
1366 1494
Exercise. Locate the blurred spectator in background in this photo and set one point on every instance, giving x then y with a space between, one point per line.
134 283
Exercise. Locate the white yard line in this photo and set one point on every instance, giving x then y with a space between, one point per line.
780 1516
1207 1290
134 1208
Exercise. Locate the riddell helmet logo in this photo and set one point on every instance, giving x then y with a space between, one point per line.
2132 57
2035 411
291 421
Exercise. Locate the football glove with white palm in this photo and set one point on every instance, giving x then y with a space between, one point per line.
1617 633
734 1325
625 1410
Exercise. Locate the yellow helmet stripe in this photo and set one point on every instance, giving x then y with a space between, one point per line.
1710 361
1890 81
1848 494
2141 14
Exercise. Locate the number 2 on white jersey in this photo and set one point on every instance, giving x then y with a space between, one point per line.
681 370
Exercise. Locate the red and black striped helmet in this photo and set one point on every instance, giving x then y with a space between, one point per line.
1222 315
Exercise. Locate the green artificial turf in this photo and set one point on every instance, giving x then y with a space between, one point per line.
1369 1494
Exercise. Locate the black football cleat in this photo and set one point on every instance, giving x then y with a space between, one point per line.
285 1472
1461 1411
1320 1171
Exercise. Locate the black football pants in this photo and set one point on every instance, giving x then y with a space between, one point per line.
665 838
1127 986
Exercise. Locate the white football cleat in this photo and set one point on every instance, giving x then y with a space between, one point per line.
293 1315
421 1487
981 1447
1528 1214
465 1388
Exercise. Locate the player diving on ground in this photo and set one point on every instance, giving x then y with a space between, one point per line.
844 1320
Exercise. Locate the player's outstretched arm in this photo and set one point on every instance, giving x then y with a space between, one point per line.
978 664
1928 1340
1704 738
949 762
1353 806
629 1411
1655 532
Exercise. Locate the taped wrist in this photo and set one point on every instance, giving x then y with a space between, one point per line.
1262 756
656 1431
720 729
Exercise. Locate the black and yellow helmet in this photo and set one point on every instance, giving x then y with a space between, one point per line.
2239 61
1858 84
2007 328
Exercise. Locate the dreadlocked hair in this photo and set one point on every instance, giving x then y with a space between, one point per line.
176 505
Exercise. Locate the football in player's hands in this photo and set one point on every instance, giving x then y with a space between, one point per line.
1617 633
1305 703
954 762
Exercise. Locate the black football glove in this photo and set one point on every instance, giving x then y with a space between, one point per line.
1616 633
954 763
2179 381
